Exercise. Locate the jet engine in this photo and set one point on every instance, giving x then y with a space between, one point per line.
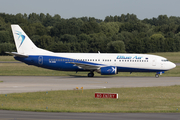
110 70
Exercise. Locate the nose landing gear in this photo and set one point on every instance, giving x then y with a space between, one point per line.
156 75
159 73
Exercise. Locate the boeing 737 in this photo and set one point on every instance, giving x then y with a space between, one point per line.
103 63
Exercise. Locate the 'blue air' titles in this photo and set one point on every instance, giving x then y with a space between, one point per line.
128 57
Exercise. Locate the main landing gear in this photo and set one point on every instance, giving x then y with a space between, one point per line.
91 74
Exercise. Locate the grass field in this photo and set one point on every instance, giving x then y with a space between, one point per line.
7 58
143 99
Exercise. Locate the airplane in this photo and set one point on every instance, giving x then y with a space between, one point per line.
103 63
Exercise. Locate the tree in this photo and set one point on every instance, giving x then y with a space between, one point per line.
48 21
33 18
69 38
4 36
90 27
110 28
2 24
156 43
84 47
59 47
84 37
39 29
169 45
177 42
116 47
45 41
126 37
136 45
6 47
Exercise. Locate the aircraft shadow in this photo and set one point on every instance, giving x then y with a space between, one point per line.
78 76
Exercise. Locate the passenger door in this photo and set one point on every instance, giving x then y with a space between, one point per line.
154 62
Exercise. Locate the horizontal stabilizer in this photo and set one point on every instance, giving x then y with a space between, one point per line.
17 54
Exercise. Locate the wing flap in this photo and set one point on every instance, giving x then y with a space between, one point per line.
85 66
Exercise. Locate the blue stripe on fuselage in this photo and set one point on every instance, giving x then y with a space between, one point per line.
55 63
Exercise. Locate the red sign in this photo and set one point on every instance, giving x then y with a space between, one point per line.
106 95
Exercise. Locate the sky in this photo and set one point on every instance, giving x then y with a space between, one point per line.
93 8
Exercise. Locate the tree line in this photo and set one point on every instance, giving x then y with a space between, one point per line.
114 34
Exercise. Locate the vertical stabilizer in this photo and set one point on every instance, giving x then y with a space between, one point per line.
24 45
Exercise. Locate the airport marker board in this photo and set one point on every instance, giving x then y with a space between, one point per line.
106 95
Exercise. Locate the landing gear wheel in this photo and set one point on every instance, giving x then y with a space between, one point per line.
157 75
90 74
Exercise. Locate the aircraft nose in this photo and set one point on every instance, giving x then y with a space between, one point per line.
172 65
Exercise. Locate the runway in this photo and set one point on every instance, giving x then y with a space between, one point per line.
19 84
20 115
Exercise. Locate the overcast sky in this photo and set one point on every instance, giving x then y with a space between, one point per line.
93 8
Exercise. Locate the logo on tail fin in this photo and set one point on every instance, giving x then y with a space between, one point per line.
22 36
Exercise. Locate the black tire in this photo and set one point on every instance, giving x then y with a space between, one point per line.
157 75
90 74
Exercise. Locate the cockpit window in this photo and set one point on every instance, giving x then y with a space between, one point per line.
165 60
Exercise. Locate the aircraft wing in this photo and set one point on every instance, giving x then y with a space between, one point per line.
17 54
85 66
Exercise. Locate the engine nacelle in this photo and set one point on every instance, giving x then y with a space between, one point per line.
111 70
